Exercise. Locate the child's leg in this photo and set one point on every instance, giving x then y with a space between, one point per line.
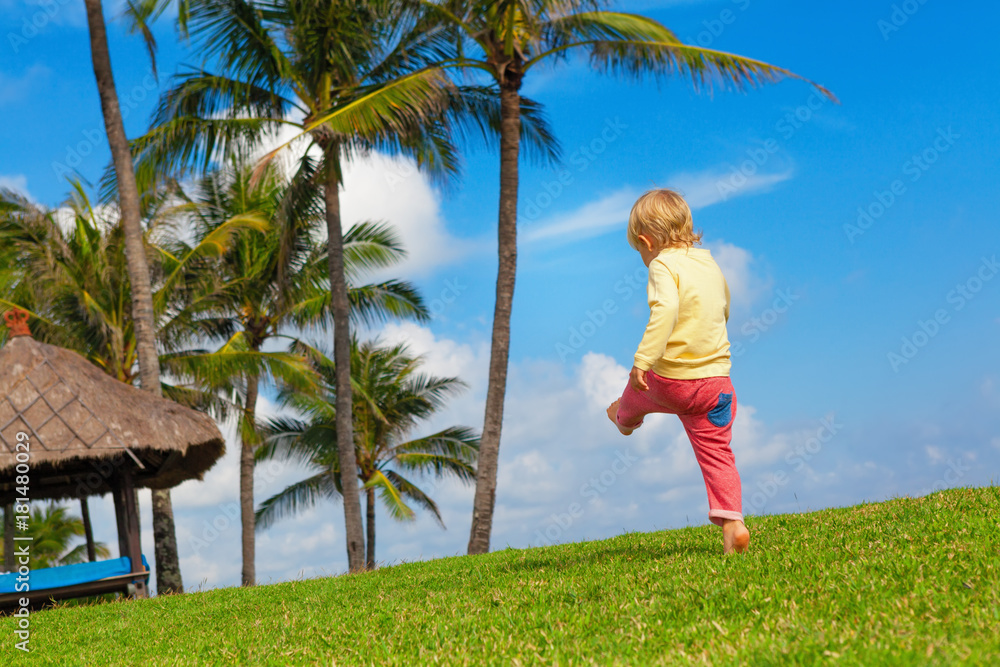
710 442
710 433
628 411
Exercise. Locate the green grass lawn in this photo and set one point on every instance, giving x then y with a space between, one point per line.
903 582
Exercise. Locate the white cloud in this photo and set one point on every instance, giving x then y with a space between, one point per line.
17 182
738 265
383 188
934 454
443 357
990 391
705 188
746 284
601 377
752 445
391 189
610 213
592 219
15 88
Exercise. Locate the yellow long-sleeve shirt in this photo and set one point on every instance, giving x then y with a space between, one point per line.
686 336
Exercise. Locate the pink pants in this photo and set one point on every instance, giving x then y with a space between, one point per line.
706 407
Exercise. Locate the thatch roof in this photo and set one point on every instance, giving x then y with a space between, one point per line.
82 423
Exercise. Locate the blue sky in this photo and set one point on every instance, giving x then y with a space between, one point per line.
819 305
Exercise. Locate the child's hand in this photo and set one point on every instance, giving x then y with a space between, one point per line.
637 379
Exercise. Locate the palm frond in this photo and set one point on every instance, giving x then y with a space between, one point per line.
409 490
474 116
637 46
306 443
374 304
380 114
239 35
215 243
453 451
370 304
391 497
221 368
295 498
372 245
183 141
139 14
219 407
202 94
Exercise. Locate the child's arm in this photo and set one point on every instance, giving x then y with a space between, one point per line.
663 306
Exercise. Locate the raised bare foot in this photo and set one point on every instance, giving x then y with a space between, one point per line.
613 416
735 537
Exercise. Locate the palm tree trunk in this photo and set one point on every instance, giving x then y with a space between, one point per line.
168 566
168 573
342 361
489 449
247 518
371 528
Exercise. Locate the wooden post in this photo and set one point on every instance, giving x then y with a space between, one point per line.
88 530
8 537
127 514
117 496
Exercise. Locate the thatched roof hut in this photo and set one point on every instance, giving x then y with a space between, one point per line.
77 416
88 434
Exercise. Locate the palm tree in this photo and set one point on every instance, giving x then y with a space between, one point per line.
74 284
390 397
267 284
340 74
72 281
243 288
168 572
52 530
506 39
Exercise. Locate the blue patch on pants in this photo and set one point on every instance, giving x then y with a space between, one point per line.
722 413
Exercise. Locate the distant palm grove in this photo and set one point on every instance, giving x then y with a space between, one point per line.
211 263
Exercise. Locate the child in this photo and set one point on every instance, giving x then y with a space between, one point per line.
682 364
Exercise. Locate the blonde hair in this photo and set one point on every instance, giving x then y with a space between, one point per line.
664 217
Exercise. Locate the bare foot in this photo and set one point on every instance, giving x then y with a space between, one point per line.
735 537
613 416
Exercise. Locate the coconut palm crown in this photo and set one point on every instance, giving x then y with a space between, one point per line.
391 397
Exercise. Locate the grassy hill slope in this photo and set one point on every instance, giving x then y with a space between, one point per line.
903 582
